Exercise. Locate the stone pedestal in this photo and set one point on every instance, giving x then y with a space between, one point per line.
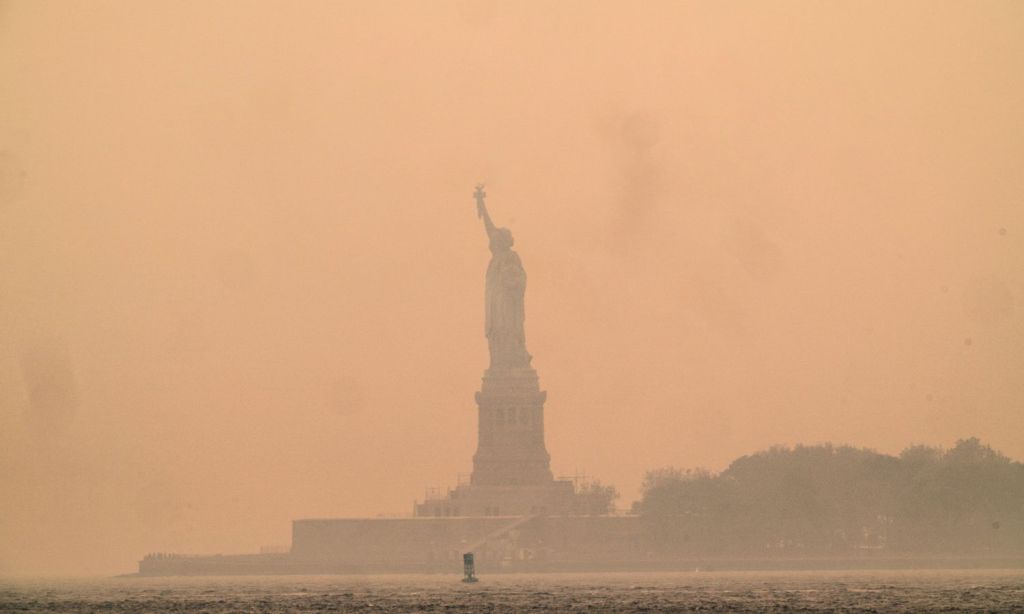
510 436
511 467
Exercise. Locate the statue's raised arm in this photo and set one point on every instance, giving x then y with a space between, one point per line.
481 209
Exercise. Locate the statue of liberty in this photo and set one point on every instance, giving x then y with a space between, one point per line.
504 305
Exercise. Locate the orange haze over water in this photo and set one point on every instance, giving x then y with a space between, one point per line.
242 274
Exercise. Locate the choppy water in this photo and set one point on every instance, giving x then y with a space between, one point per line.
860 591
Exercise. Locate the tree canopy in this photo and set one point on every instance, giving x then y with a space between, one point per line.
829 498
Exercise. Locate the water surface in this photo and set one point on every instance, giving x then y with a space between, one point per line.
853 591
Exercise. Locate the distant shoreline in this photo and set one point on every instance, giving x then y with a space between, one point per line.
282 564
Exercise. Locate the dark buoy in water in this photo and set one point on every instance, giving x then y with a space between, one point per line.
468 568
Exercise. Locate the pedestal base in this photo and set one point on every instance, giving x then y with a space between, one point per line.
510 437
554 498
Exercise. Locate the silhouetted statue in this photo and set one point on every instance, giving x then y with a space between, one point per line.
506 286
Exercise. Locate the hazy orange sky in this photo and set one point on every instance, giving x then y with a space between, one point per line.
242 273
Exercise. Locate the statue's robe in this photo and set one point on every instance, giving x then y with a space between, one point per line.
505 310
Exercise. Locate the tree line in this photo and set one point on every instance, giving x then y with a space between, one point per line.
828 499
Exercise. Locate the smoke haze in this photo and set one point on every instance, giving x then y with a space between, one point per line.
242 274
